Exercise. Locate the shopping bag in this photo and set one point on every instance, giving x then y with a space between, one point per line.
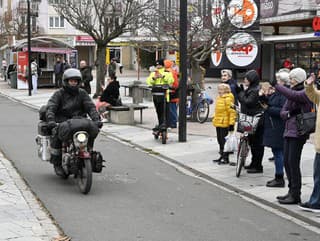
231 144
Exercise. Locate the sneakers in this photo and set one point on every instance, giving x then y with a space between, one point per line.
307 207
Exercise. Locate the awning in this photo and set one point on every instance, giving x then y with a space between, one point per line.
291 37
48 50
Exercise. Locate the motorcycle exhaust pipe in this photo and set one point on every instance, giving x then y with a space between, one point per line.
43 147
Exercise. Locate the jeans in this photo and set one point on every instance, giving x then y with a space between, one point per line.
221 134
278 160
315 196
34 84
173 116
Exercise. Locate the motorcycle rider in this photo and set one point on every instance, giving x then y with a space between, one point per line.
68 102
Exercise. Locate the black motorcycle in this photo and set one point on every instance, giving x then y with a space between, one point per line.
78 157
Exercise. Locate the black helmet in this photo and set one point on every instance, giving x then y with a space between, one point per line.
74 74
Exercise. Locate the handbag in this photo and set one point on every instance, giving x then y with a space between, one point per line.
306 123
248 123
231 144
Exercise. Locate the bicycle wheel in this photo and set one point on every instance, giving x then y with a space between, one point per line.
202 111
241 157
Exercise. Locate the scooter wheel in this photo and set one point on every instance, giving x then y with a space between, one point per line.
164 137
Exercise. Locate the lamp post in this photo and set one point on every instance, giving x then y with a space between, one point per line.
183 71
29 48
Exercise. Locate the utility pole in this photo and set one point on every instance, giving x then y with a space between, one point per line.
183 71
29 48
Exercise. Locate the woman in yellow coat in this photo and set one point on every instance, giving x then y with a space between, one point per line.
224 119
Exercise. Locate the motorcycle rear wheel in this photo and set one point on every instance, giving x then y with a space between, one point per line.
85 177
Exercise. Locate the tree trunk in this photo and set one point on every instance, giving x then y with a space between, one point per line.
101 66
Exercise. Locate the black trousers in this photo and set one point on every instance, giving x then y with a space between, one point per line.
160 105
291 157
257 149
58 80
222 132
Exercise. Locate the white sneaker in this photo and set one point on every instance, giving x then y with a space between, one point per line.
104 120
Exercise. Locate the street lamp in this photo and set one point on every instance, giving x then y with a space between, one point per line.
29 48
183 71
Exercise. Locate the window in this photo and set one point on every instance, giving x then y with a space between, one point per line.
56 22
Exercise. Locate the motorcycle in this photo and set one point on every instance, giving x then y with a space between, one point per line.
78 158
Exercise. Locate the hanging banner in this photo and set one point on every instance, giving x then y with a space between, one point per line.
22 81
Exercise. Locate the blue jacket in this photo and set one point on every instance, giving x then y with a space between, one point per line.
273 124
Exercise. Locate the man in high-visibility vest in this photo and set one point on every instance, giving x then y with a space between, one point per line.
160 77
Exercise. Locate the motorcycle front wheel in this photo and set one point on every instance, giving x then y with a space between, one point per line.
85 176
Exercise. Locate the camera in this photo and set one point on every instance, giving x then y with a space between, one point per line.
317 82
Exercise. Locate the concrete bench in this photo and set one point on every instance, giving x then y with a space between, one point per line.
137 92
123 114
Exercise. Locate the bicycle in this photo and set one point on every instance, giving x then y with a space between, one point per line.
201 107
246 125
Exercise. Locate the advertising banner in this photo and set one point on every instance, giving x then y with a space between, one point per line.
239 50
274 8
22 81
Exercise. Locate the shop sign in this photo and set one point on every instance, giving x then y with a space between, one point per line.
268 8
316 24
216 55
242 13
84 38
22 82
242 49
218 12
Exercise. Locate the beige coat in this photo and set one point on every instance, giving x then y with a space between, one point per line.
314 95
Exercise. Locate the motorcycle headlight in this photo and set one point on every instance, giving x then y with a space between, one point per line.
80 139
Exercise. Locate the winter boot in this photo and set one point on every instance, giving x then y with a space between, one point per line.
225 159
219 159
278 181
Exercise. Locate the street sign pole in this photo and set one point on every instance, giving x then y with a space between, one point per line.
29 49
183 71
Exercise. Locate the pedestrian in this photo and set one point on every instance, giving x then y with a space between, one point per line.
174 95
226 77
248 96
4 69
313 204
58 72
112 68
296 102
109 97
224 119
65 65
34 75
288 64
272 103
86 72
160 77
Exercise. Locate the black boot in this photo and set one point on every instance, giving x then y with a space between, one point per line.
225 159
220 158
278 181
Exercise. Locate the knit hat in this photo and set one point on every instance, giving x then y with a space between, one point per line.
252 76
298 74
168 63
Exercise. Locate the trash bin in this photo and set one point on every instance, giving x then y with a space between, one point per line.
13 79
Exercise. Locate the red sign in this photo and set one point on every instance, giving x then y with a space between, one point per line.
84 38
316 24
240 48
22 65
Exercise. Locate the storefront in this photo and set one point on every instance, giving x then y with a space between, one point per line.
45 51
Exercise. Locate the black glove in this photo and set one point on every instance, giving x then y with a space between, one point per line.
273 82
52 124
239 88
99 124
231 128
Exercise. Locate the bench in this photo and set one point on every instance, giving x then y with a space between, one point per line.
123 115
137 92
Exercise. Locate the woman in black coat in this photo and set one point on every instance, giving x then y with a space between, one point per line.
111 92
248 96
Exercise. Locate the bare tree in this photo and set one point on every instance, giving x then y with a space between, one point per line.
208 29
103 20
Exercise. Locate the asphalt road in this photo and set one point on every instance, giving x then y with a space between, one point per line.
137 197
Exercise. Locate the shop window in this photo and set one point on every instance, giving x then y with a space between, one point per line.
305 45
316 45
291 45
56 22
280 46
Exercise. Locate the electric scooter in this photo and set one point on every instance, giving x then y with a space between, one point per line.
161 92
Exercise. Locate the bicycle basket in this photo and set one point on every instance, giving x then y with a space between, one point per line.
247 123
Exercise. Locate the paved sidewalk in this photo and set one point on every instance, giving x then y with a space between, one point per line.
197 153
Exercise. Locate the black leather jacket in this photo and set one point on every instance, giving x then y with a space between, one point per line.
64 105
